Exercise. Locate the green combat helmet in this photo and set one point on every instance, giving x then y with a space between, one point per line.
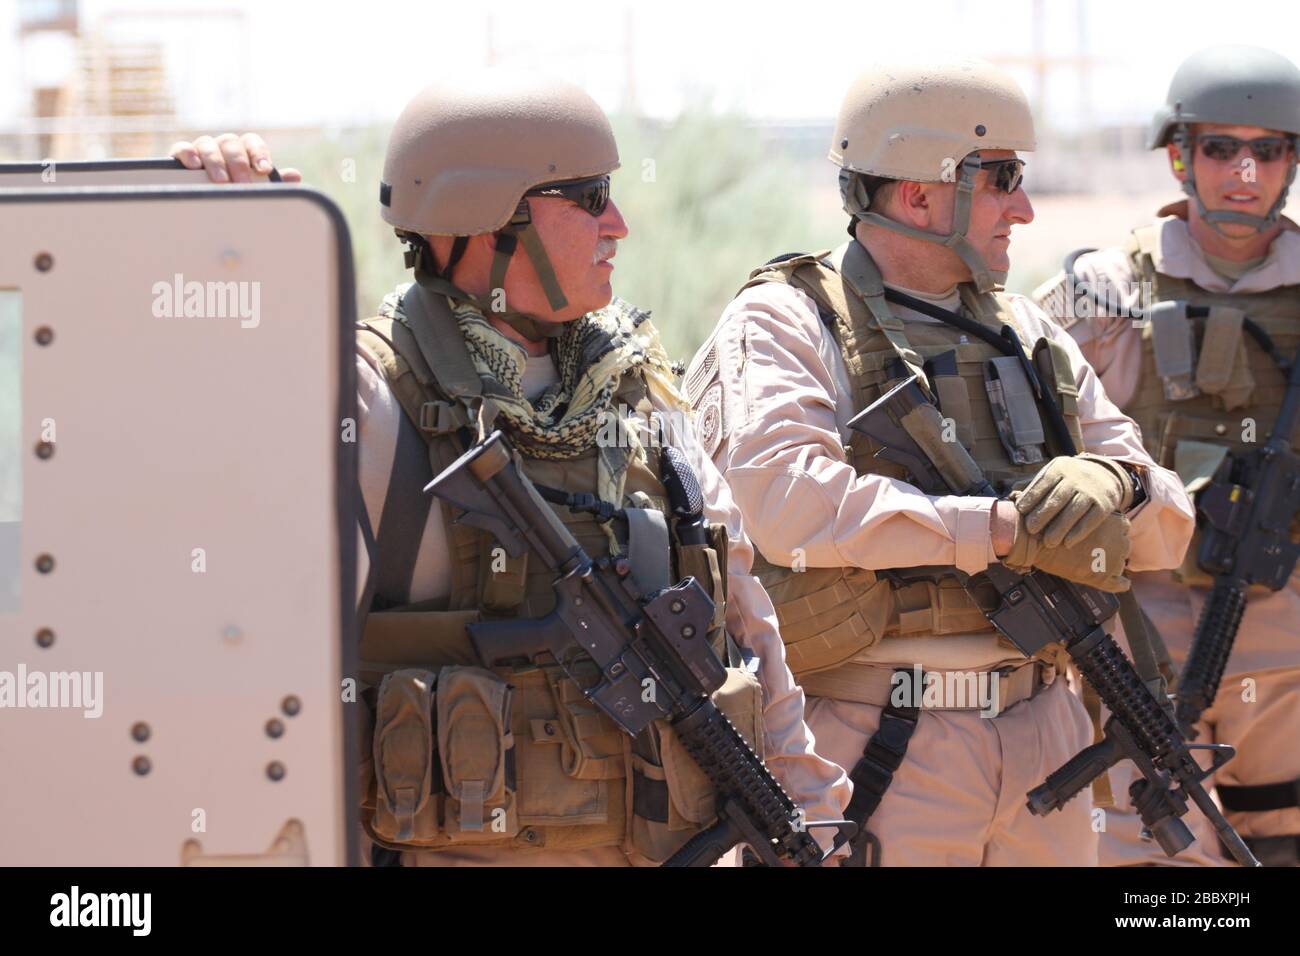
1233 85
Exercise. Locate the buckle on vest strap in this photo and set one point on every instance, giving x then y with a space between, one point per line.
438 418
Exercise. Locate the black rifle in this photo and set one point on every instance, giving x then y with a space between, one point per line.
1035 609
1246 513
652 651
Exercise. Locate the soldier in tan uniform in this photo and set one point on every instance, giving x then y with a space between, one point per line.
499 184
860 564
1203 388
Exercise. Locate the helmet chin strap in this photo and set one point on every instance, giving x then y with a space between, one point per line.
427 275
985 279
520 229
1183 139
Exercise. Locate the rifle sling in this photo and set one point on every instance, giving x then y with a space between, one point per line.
872 775
1260 797
1007 343
1150 656
1272 851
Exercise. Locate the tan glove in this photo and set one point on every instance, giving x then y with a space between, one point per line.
1098 559
1072 496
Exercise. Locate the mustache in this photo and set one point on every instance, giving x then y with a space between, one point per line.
605 249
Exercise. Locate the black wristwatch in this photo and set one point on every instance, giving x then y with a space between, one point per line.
1139 487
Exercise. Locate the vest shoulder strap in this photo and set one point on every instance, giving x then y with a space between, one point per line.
1141 249
403 367
993 309
858 273
780 268
426 363
436 335
836 280
436 418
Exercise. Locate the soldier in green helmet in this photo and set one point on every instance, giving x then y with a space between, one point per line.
1179 322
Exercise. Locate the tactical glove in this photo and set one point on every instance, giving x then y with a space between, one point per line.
1097 559
1072 496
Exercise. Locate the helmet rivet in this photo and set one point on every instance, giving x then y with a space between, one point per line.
980 130
844 144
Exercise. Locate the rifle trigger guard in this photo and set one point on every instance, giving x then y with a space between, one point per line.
1221 754
847 831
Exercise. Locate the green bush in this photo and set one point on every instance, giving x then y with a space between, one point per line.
707 201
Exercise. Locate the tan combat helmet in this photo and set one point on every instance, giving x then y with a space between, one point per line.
1236 86
464 152
925 122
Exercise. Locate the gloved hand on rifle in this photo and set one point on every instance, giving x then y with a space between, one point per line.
1071 497
1069 522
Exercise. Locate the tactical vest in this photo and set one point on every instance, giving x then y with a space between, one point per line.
517 757
1220 391
828 615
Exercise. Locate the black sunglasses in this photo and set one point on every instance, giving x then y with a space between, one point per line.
1266 149
1008 174
591 194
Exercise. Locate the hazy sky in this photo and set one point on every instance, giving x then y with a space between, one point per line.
298 62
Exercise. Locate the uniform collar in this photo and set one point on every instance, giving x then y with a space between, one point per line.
1176 254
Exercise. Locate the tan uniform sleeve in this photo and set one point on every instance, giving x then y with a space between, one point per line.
820 787
786 462
1163 525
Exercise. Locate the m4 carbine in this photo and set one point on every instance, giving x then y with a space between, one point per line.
1246 518
652 651
1035 609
